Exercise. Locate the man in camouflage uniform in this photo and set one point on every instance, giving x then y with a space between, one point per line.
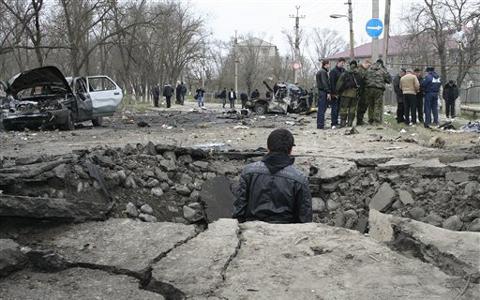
347 87
375 79
362 102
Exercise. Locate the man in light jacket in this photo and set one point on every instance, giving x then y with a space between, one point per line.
410 87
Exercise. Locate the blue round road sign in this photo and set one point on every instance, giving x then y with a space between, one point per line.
374 27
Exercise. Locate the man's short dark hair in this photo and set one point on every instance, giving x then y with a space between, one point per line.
341 59
280 140
325 62
416 70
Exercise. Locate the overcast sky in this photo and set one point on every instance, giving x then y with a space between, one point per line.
267 18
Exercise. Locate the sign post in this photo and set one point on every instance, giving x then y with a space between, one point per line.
374 29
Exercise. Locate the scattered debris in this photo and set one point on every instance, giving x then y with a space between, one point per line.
471 127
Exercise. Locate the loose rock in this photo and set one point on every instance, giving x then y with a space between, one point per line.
147 218
147 209
131 210
405 197
453 223
11 258
417 213
383 198
158 191
318 205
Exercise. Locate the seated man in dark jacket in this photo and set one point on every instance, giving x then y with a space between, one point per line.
272 190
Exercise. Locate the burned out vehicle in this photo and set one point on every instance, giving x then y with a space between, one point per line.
283 98
43 98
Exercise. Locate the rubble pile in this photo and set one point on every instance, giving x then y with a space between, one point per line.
445 195
146 182
166 183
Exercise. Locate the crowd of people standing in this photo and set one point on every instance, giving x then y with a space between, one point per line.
168 91
351 93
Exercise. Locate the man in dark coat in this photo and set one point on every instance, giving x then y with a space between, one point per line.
184 92
156 94
223 97
323 86
178 93
273 190
399 94
431 86
244 99
232 96
168 93
335 99
450 94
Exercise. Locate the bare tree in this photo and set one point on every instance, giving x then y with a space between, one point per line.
435 24
325 42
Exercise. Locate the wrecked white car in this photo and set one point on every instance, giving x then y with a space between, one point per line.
44 98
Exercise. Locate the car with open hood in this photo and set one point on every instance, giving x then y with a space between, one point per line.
44 98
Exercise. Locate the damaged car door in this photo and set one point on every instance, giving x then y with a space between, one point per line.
105 94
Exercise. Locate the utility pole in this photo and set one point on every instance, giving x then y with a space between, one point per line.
296 58
350 21
236 62
386 33
375 15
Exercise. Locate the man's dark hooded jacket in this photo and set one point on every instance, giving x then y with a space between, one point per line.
273 191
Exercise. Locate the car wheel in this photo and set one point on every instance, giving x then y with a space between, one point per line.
260 109
97 122
69 123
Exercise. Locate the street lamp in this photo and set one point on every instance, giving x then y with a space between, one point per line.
350 21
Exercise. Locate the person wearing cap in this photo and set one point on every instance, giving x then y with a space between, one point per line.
273 190
375 79
399 94
410 87
431 87
347 87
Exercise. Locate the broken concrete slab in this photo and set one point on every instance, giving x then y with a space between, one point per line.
431 168
75 283
397 163
371 161
315 261
218 198
11 258
383 198
470 165
197 267
323 170
458 176
54 208
454 252
331 170
120 243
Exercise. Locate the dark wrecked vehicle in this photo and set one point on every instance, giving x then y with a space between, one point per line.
43 98
283 98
